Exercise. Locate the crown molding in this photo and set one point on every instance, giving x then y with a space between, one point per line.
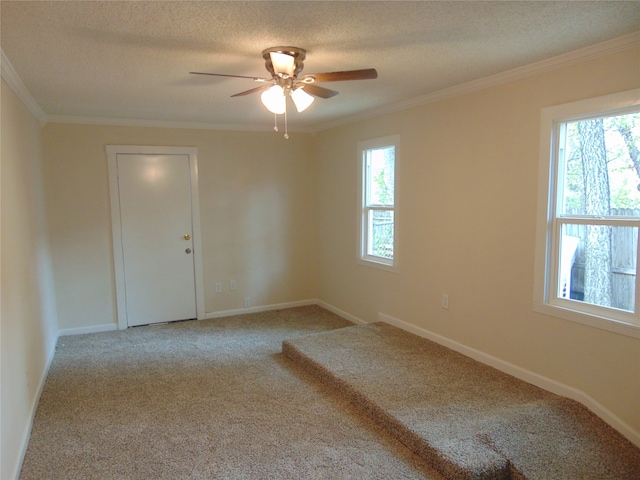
604 48
10 76
133 122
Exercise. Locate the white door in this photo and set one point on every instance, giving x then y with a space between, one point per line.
156 233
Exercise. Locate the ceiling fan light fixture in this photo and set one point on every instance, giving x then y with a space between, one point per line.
283 64
301 99
274 99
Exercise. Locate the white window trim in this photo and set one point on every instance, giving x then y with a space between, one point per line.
361 254
545 299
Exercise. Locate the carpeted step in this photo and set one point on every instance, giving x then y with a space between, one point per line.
470 421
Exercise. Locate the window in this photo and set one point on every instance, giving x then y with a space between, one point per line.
378 161
589 213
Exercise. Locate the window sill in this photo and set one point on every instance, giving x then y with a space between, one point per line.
608 324
378 265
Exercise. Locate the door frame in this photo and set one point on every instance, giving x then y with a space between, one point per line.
116 228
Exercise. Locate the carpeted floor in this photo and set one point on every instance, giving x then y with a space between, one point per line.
212 399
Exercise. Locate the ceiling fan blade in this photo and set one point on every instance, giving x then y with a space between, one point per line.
364 74
318 91
255 79
253 90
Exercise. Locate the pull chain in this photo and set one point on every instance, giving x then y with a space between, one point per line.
275 122
286 126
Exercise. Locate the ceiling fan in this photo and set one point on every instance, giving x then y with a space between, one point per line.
285 64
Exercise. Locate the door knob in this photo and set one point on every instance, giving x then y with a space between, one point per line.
188 250
187 236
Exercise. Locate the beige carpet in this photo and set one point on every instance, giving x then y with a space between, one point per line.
466 419
212 399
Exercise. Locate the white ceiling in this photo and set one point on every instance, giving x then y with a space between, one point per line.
130 60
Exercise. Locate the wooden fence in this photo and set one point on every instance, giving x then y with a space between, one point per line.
624 247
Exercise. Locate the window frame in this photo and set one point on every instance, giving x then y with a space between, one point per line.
364 235
550 220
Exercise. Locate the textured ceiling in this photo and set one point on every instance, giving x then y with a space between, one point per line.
130 60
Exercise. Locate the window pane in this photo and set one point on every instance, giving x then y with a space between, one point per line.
381 233
380 176
600 171
597 265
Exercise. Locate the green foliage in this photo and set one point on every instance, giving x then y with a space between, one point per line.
623 197
383 189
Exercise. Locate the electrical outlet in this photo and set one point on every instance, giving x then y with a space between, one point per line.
218 287
445 301
247 302
232 285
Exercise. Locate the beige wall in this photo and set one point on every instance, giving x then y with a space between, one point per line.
257 209
28 327
467 218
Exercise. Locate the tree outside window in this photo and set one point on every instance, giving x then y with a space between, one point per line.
601 182
588 219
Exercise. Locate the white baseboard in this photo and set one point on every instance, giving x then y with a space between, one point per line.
523 374
107 327
261 308
278 306
342 313
33 407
